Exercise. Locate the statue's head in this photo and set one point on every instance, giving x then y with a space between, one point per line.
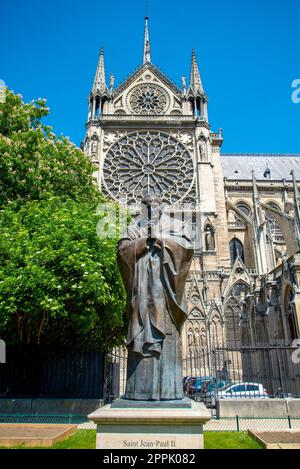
152 207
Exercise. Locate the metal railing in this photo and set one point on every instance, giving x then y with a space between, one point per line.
236 423
256 372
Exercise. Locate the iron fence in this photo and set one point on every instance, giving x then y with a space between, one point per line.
236 423
42 371
258 372
270 366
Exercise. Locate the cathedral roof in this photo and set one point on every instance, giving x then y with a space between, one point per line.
265 166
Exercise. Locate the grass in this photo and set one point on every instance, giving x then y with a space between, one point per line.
86 439
81 439
229 440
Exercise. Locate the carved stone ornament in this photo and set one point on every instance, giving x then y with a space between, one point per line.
148 99
146 162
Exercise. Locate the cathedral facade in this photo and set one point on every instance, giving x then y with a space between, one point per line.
150 136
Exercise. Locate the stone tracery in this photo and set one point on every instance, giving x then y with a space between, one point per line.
148 162
148 99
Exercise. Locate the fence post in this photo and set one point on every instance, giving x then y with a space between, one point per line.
290 423
237 423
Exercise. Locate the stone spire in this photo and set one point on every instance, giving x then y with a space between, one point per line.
196 86
147 49
99 86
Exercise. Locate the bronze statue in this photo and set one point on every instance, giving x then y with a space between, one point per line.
154 258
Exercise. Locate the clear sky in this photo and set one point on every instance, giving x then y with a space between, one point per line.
248 53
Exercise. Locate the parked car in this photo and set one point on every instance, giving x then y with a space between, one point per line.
194 385
236 391
185 379
210 387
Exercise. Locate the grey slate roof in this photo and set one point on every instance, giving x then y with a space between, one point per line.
240 166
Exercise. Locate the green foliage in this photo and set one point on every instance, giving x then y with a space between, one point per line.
56 274
34 163
59 281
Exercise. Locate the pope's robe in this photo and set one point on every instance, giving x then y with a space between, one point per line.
154 279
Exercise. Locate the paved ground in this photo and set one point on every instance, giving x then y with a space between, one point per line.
33 434
282 437
244 424
289 439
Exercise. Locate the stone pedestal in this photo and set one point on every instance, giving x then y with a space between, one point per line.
153 428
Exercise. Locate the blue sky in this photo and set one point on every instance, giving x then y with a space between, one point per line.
248 54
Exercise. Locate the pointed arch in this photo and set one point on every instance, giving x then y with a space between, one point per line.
197 313
216 326
236 250
233 311
238 274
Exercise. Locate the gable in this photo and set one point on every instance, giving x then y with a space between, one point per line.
147 92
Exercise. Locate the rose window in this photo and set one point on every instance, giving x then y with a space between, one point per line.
143 163
148 99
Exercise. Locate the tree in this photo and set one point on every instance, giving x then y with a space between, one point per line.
34 163
59 281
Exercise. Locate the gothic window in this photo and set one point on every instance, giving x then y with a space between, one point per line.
274 227
198 107
91 108
141 163
216 331
192 105
97 107
148 99
243 207
236 249
233 314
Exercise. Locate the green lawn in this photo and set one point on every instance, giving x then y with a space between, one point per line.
229 440
86 439
82 439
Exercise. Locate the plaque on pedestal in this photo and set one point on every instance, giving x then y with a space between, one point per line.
153 428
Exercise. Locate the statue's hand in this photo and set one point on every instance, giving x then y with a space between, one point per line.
154 243
157 243
151 242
